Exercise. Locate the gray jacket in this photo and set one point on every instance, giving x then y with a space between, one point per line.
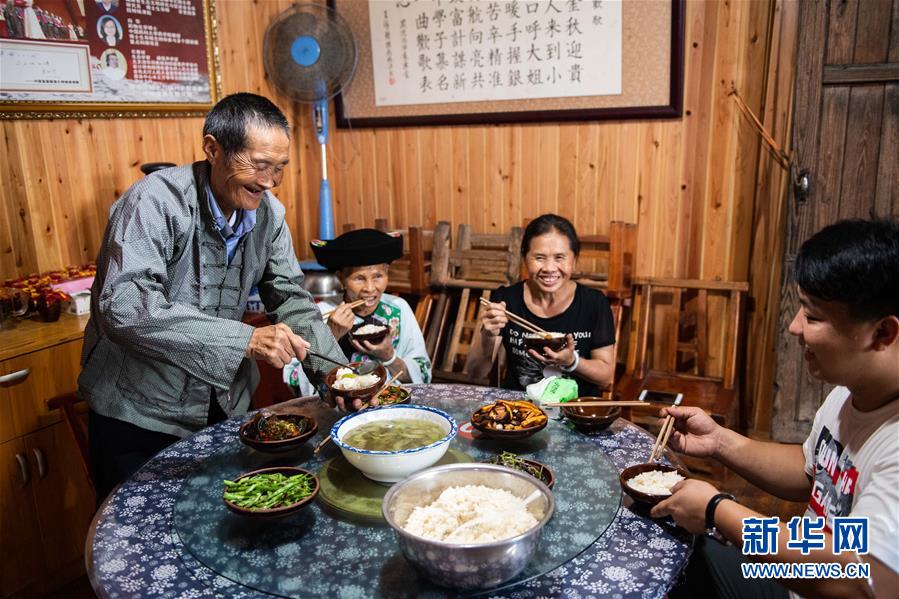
165 332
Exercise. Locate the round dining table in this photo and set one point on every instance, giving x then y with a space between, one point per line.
134 548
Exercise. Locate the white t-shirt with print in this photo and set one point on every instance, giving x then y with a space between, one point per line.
853 459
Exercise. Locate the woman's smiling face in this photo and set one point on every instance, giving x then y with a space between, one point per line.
550 261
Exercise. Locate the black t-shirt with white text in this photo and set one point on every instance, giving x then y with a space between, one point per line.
588 319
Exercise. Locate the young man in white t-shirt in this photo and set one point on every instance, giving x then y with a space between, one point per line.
848 282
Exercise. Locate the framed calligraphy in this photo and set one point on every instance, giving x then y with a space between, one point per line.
107 58
449 62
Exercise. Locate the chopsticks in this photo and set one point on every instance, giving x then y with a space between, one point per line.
596 404
662 440
354 304
658 449
528 326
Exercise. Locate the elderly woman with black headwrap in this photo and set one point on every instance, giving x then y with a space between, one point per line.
361 260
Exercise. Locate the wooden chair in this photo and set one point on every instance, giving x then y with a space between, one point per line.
478 260
411 274
688 340
606 262
73 413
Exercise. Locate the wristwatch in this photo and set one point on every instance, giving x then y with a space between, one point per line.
710 528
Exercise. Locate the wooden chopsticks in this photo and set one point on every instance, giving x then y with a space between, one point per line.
662 440
658 449
596 404
528 326
354 304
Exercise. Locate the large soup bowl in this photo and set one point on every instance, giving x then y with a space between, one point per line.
472 565
393 466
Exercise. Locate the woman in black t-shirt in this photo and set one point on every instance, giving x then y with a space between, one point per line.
552 301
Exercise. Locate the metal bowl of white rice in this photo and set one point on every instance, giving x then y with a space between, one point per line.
430 511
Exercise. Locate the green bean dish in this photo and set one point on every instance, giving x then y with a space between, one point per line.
269 491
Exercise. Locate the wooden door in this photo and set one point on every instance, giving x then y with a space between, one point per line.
20 537
846 140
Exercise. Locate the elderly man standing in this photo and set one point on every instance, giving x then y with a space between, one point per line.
165 351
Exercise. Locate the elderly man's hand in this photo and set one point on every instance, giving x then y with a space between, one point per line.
276 344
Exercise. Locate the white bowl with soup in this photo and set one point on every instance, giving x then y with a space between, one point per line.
390 443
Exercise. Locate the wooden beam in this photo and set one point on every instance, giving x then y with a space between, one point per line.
846 74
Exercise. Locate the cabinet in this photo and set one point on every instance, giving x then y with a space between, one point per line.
46 504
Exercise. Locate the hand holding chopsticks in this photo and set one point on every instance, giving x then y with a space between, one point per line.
528 326
658 448
354 304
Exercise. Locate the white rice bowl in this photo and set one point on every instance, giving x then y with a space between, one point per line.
543 336
369 329
655 482
347 380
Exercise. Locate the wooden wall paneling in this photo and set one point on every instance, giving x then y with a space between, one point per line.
548 159
767 240
366 165
834 111
570 163
383 175
509 180
886 196
872 38
699 117
482 207
460 193
864 122
841 25
531 165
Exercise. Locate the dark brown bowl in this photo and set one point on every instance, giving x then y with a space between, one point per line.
515 435
538 342
548 477
248 435
366 393
405 395
281 511
590 420
373 338
645 498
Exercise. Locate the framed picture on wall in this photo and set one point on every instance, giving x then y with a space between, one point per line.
432 62
108 58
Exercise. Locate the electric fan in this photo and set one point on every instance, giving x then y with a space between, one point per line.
310 55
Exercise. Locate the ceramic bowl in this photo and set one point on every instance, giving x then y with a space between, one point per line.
393 466
590 420
547 476
402 394
508 435
374 338
475 565
248 434
363 394
280 511
638 496
538 342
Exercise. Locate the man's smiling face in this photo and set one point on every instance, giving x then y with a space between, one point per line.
238 182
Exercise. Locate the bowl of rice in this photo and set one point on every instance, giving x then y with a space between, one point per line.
650 483
373 333
389 443
344 382
538 342
467 526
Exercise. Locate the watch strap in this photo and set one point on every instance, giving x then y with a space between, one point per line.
710 511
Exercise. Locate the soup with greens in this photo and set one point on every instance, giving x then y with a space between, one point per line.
394 435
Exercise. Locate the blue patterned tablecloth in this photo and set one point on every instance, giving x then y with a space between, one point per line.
134 550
